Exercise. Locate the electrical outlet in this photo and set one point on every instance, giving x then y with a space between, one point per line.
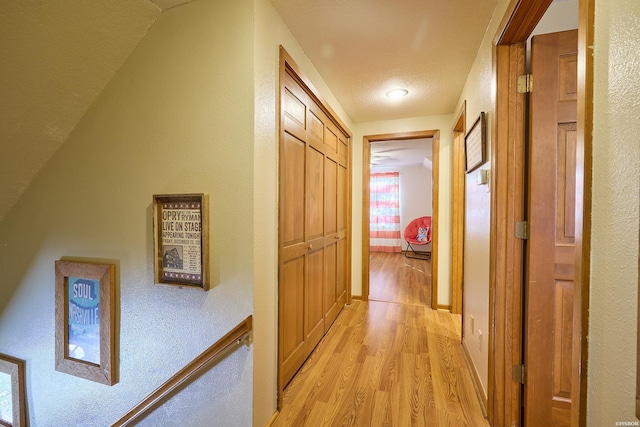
472 324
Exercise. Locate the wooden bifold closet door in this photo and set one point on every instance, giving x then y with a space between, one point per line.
313 245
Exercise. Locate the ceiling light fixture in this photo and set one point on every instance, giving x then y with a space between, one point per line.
397 93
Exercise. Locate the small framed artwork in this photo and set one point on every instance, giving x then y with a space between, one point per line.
181 240
475 144
13 411
85 320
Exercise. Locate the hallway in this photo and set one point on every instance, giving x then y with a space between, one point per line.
386 364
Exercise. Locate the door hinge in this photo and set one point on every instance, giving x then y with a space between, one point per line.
522 230
519 374
525 83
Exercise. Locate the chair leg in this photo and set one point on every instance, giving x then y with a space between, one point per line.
415 254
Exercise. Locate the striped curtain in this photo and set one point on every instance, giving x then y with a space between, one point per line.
384 212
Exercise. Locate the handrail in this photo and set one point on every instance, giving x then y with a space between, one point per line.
235 335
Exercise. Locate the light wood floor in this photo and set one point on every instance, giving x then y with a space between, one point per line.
385 364
396 278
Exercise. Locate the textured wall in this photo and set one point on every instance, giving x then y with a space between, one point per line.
177 117
614 244
58 57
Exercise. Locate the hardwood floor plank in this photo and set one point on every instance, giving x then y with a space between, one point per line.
387 363
395 278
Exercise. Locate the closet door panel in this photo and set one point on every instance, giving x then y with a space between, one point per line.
291 301
341 274
292 197
331 308
315 194
331 197
314 314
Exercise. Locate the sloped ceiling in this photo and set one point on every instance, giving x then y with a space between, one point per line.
57 56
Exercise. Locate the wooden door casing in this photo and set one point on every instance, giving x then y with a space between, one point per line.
551 252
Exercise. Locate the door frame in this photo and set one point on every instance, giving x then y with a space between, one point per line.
367 140
507 207
458 203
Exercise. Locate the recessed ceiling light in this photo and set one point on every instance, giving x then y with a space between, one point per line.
397 93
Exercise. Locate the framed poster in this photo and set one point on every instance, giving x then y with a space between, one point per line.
181 240
13 412
475 144
85 316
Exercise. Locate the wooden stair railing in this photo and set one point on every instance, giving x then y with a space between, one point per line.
234 336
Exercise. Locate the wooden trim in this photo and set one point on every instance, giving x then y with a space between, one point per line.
506 251
435 220
445 307
583 216
366 172
272 419
520 20
475 377
282 71
457 211
366 223
233 337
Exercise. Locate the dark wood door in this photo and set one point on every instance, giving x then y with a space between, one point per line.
551 252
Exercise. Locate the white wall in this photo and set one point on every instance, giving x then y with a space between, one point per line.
270 33
415 196
444 123
616 186
176 118
478 95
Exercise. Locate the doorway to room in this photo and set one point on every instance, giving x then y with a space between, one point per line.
413 271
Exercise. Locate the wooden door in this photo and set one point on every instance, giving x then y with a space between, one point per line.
551 252
293 263
313 235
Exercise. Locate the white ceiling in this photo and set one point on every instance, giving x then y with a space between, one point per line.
58 55
363 48
406 152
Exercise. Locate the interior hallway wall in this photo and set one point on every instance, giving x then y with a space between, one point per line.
176 118
270 33
616 186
